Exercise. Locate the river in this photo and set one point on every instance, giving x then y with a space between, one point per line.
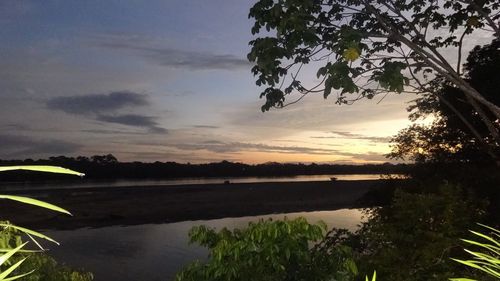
157 251
85 183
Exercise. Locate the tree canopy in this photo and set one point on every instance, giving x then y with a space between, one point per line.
457 133
365 48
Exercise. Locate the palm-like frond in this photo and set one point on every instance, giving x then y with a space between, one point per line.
8 253
488 260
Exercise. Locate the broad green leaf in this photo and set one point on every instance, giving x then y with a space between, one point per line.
473 21
47 169
351 265
35 202
321 71
30 232
351 54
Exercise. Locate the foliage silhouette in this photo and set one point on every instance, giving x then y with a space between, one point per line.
457 134
364 48
413 238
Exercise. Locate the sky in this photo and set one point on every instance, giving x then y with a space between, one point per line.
163 81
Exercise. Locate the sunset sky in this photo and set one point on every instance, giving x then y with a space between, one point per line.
163 81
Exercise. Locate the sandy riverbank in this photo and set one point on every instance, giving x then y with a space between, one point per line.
97 207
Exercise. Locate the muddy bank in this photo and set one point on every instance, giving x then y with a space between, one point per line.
97 207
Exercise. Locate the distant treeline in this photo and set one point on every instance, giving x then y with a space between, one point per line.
108 167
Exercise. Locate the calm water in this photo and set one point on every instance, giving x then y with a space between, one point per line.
157 251
88 183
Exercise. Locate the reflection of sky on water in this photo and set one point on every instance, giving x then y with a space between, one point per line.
188 181
158 251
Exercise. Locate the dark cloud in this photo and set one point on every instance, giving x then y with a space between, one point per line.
15 127
22 146
237 147
194 60
185 93
105 107
171 57
367 156
133 120
97 103
110 132
348 135
169 155
205 127
214 142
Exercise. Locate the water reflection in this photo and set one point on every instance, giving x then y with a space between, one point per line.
157 252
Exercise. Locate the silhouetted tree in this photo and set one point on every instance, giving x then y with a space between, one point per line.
364 48
104 159
457 134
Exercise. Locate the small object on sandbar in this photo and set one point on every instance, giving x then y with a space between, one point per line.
227 182
333 179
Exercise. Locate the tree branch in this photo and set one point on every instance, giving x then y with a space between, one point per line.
480 11
460 42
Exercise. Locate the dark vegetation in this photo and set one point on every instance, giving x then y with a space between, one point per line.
367 48
108 167
457 134
455 181
412 238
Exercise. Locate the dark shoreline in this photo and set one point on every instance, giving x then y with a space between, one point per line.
100 207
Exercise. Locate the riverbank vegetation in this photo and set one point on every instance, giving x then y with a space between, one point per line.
414 237
365 49
108 167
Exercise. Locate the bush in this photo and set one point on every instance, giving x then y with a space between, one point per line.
268 250
414 238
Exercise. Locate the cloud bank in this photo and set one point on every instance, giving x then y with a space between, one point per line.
237 147
97 103
107 107
22 146
171 57
353 136
133 120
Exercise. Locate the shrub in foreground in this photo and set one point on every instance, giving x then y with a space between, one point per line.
268 250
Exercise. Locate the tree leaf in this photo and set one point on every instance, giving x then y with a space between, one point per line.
35 202
46 169
18 276
30 232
